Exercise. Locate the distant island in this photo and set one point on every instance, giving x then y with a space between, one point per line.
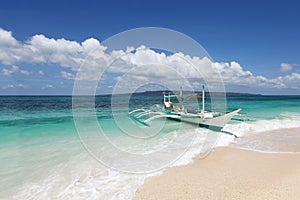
229 94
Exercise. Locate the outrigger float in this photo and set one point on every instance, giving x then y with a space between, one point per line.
211 120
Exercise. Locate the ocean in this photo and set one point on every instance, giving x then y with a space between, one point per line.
45 154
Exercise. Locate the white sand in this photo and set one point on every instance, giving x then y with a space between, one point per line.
229 173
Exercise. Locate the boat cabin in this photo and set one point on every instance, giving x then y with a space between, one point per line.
168 105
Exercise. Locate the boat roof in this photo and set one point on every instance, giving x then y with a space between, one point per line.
169 96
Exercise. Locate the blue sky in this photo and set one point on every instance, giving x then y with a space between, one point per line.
262 36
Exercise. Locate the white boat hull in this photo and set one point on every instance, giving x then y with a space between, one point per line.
216 123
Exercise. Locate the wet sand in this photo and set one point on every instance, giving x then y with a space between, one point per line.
280 140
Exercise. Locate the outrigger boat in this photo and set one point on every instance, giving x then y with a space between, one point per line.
212 120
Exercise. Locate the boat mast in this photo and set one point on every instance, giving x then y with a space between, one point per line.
203 97
181 99
180 95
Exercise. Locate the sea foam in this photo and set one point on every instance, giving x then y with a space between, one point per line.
82 177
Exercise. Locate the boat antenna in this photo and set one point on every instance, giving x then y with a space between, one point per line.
203 99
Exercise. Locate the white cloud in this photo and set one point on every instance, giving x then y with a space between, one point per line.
14 69
20 86
286 67
7 72
290 81
158 67
8 86
47 86
6 39
42 50
141 65
41 73
24 72
67 75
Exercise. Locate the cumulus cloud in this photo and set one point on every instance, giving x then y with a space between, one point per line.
89 59
22 86
67 75
290 81
8 86
42 50
41 73
286 67
13 70
47 86
158 67
19 86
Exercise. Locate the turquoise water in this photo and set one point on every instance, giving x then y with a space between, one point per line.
40 149
266 107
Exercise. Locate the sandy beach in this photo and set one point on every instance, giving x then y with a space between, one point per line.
229 173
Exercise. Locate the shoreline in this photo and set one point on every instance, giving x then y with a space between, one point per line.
279 141
228 173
